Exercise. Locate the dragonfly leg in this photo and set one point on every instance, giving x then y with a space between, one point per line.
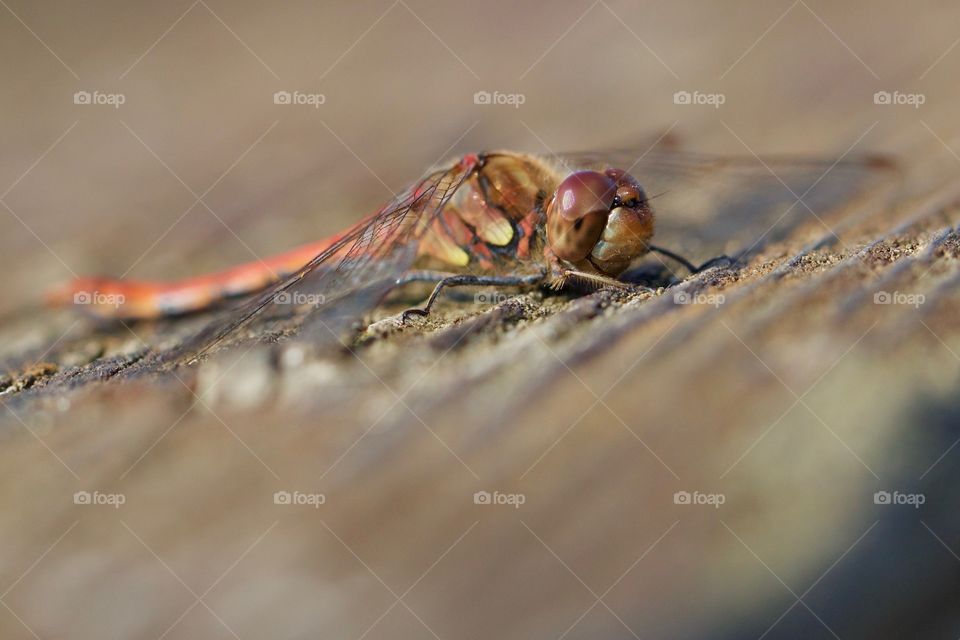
423 275
595 279
692 268
466 280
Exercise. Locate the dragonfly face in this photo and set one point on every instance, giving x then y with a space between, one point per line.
599 221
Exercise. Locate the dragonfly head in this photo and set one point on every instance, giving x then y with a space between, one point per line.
599 220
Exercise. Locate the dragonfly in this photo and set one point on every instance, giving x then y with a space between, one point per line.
502 219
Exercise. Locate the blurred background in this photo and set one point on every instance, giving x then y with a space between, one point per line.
144 140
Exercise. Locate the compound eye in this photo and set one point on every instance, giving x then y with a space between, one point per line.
585 192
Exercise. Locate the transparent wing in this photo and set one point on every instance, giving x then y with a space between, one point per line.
330 294
712 205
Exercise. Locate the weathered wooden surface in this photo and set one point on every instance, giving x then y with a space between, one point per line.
796 398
